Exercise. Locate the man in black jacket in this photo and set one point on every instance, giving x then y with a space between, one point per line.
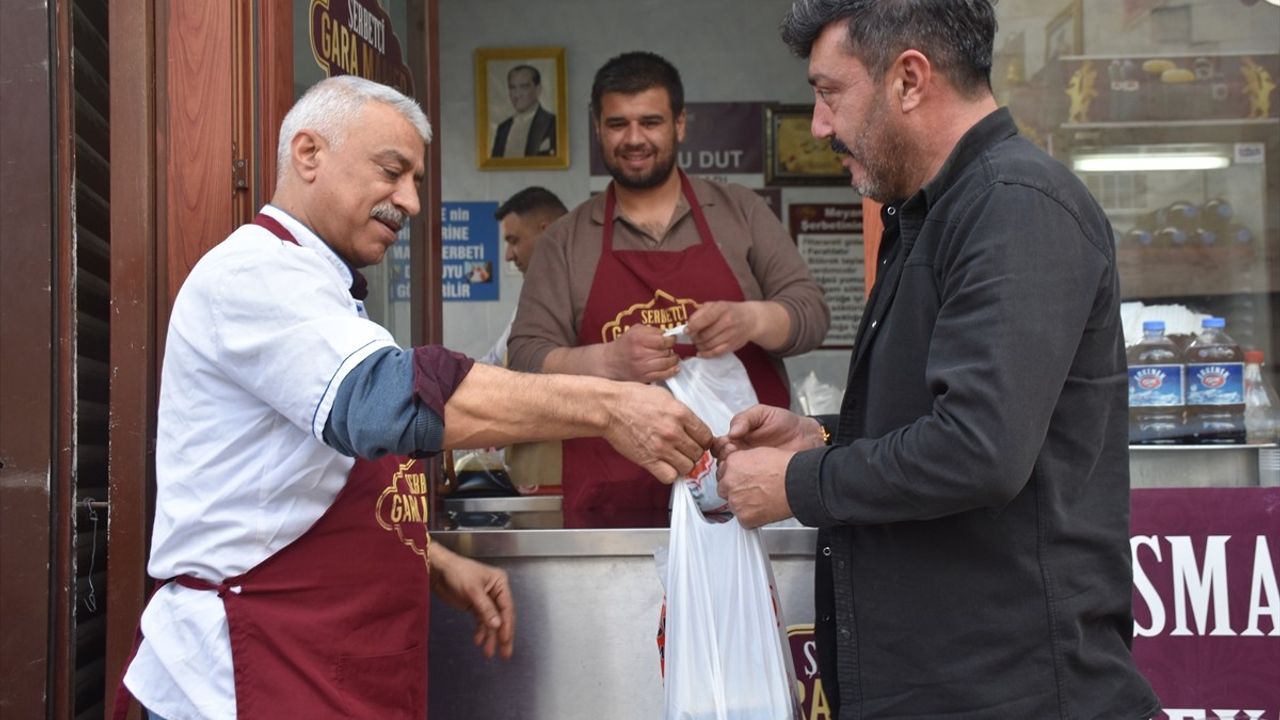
973 493
531 130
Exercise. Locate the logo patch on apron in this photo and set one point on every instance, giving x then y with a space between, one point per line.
403 507
663 312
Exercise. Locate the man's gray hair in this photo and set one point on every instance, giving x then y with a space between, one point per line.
331 106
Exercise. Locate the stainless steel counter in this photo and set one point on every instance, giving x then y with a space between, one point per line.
587 604
587 601
640 542
1157 466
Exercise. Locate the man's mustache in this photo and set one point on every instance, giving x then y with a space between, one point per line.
388 213
839 147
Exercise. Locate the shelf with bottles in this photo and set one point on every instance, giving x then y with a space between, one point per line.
1198 393
1189 215
1188 248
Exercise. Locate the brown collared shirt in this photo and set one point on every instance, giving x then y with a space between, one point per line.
761 254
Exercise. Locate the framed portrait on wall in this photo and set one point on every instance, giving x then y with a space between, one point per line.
521 109
793 156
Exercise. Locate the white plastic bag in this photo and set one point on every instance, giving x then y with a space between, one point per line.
726 657
815 397
715 389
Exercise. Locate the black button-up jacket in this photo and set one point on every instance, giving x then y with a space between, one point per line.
974 559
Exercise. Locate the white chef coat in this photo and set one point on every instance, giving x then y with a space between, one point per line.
261 335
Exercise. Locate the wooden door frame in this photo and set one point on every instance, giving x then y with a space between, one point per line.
134 351
30 222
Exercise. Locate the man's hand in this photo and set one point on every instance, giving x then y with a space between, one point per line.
754 484
768 427
720 327
480 590
641 354
655 431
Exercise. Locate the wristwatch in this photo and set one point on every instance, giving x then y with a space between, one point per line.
826 434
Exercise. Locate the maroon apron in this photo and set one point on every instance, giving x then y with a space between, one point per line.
335 623
602 488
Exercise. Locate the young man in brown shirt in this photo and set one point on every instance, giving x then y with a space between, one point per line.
657 250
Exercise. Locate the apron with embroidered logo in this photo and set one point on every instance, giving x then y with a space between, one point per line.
602 488
334 625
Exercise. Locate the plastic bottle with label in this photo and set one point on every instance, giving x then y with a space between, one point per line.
1216 214
1155 388
1215 386
1261 406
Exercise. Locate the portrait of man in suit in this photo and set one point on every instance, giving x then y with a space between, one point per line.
531 129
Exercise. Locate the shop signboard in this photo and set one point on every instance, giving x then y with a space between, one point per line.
356 37
469 251
804 655
1205 601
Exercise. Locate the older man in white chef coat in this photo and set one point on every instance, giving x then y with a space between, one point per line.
290 513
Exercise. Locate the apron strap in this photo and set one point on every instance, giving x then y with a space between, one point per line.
359 285
699 220
274 227
195 583
686 188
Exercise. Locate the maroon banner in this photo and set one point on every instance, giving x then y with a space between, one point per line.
355 37
804 654
1205 602
720 138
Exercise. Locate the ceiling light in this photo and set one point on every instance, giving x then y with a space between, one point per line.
1148 162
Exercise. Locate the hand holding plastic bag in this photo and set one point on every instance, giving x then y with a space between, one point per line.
725 654
715 389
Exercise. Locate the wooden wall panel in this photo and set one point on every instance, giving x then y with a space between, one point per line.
275 87
66 414
133 351
26 364
198 98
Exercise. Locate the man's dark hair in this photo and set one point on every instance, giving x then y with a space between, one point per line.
537 76
956 35
633 73
530 200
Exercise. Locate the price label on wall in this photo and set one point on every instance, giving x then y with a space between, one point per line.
830 241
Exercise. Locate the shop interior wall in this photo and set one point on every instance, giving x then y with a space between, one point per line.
728 50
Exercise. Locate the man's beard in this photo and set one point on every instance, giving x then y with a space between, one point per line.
884 154
663 166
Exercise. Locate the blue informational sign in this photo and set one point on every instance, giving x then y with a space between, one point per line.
469 254
398 263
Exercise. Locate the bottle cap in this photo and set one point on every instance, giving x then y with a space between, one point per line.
1213 322
1153 326
1253 356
